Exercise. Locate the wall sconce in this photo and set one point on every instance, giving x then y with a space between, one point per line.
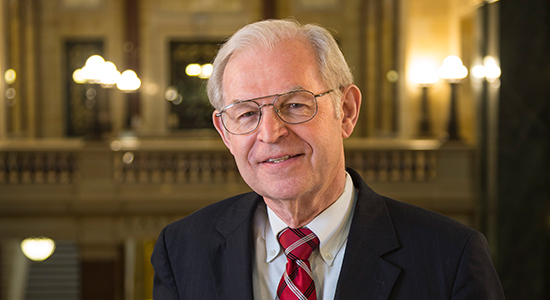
129 81
38 249
425 75
98 71
9 76
489 70
202 71
453 71
11 93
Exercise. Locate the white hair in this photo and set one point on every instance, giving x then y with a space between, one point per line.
267 34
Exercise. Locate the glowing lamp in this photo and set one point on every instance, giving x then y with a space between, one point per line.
424 74
452 69
202 71
129 81
489 70
478 71
492 70
193 70
206 71
38 249
93 69
10 76
78 77
109 75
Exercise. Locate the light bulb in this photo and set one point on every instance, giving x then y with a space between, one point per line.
38 249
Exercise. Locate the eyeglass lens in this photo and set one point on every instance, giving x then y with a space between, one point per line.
293 108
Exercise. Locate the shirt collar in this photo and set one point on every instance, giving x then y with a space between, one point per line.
331 226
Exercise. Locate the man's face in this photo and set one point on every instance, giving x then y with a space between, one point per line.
309 156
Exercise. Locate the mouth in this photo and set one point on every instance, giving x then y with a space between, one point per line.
279 159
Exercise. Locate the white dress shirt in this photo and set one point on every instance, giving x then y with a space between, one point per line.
331 227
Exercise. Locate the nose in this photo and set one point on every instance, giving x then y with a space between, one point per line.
271 127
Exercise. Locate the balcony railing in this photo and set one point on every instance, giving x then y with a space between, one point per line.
179 176
39 162
196 161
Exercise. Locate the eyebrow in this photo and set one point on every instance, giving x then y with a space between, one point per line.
293 89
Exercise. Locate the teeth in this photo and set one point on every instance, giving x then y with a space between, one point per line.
278 160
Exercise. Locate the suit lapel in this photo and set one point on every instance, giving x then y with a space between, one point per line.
364 272
231 259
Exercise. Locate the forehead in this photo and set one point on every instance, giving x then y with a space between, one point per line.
256 72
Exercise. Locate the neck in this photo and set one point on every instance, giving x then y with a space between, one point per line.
297 213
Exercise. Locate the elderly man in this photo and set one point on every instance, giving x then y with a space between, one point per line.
312 229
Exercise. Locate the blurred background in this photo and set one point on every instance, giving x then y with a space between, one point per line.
106 135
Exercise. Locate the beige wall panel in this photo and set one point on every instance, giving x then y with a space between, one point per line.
62 20
170 20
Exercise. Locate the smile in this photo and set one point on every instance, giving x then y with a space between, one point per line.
278 160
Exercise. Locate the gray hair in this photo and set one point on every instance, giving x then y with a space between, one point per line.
267 34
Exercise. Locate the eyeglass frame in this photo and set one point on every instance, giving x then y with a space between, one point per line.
260 106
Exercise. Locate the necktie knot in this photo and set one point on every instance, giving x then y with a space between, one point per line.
298 243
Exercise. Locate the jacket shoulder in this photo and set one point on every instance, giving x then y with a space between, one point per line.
185 250
206 218
415 219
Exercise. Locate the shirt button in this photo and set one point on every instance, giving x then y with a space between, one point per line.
328 256
272 252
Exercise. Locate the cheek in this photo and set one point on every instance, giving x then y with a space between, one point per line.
327 127
328 139
240 148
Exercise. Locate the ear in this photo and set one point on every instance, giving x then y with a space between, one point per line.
221 130
351 104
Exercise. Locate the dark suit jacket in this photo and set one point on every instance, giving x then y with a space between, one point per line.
394 251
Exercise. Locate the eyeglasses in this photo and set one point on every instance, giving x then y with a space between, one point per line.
294 107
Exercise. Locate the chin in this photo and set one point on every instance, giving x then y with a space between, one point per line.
282 189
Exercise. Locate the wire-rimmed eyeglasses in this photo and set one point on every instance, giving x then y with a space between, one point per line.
294 107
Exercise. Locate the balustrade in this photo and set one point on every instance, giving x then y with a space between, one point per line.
149 176
37 167
394 165
377 161
175 167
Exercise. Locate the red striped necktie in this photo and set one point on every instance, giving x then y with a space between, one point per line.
297 281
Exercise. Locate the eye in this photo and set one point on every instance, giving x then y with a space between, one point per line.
247 114
296 105
243 111
294 101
